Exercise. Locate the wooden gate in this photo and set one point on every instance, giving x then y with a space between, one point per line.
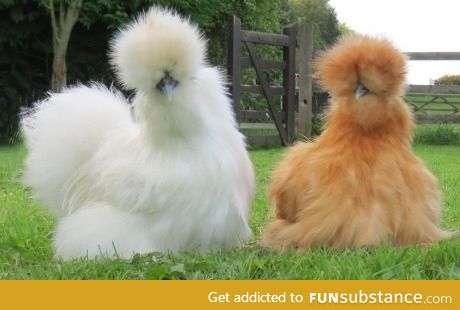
284 118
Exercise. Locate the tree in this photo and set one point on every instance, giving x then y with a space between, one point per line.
30 53
345 29
320 15
212 16
448 80
63 20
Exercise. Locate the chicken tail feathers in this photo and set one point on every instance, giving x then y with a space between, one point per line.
61 134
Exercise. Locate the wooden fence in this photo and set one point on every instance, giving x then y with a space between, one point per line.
435 103
431 103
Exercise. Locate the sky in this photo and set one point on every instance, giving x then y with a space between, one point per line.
413 26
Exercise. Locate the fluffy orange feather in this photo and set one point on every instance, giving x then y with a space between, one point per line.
359 184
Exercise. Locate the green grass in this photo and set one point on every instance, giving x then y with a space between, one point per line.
26 234
440 134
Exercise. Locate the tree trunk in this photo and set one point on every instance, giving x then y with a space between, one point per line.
59 74
62 21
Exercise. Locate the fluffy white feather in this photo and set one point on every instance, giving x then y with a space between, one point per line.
174 176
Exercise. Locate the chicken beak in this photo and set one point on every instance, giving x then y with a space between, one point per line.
361 91
167 84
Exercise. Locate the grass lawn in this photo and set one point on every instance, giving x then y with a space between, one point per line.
26 233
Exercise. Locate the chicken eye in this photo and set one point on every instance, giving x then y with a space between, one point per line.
361 91
167 83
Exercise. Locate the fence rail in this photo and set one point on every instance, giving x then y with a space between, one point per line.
433 55
266 38
434 89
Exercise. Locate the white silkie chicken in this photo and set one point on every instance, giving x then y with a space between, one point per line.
173 177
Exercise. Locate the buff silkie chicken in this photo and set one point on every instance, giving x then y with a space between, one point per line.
359 184
174 176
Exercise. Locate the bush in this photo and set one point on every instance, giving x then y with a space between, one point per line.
25 45
9 117
437 135
448 80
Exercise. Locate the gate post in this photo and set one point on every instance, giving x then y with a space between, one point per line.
234 65
289 80
305 41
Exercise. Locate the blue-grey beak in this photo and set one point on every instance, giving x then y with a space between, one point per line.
360 91
167 84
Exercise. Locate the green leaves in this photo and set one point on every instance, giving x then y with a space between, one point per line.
17 15
448 80
26 45
166 272
321 16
